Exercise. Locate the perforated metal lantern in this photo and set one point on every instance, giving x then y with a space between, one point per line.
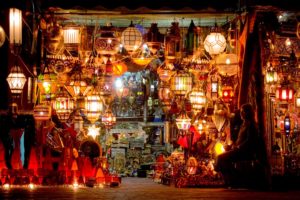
63 104
16 80
93 105
108 118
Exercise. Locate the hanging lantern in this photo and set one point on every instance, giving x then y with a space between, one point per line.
284 94
93 105
63 104
227 93
154 39
214 88
165 72
47 83
227 64
15 26
165 95
181 83
77 86
297 99
271 74
16 80
183 121
71 38
108 119
215 43
105 41
198 99
2 36
287 125
173 42
142 56
42 112
131 38
93 131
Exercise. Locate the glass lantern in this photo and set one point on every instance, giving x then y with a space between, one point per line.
16 80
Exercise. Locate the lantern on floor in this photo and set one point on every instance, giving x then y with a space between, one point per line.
93 105
47 83
63 104
271 74
71 38
15 26
16 80
108 119
181 83
227 93
183 121
42 112
197 98
215 42
131 38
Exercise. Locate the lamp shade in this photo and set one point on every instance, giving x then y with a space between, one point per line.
215 43
16 80
15 26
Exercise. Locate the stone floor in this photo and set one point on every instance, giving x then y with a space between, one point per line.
141 188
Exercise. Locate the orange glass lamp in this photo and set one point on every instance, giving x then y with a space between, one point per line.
93 105
63 104
284 93
108 119
227 93
16 80
142 56
183 121
77 86
181 83
198 99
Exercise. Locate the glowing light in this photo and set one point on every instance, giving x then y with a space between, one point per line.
219 148
119 83
93 131
75 185
31 186
6 186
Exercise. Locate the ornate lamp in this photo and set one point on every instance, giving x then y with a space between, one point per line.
284 93
165 72
227 64
142 56
77 86
297 99
42 112
197 98
93 105
131 38
183 121
181 83
215 42
63 104
16 80
47 83
173 42
214 88
108 119
15 26
165 95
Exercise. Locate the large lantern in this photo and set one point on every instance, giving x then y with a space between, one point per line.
15 26
181 83
16 80
63 104
215 43
183 121
131 38
93 105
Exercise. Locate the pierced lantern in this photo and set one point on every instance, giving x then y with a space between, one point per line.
165 73
284 93
215 43
16 80
198 99
42 112
131 38
15 26
108 119
227 93
227 64
181 83
183 121
93 105
63 104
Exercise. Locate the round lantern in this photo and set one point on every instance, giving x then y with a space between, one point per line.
284 93
227 64
108 119
93 105
131 38
183 121
227 93
181 83
63 104
215 43
16 80
198 99
42 112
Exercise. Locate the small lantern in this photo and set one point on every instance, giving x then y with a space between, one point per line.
215 43
63 104
183 121
42 112
93 131
181 83
287 125
271 74
214 88
47 83
227 93
131 38
165 95
198 99
173 42
165 72
284 93
93 105
142 57
108 119
16 80
15 26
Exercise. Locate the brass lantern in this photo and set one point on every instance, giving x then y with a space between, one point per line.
173 42
16 80
47 83
63 104
183 121
93 105
181 83
215 43
165 95
165 72
77 86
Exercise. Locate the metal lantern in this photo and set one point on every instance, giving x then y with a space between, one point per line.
215 43
16 80
297 99
227 64
183 121
227 93
108 119
131 38
77 86
63 104
71 38
198 99
42 112
173 42
15 26
165 73
93 105
181 83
